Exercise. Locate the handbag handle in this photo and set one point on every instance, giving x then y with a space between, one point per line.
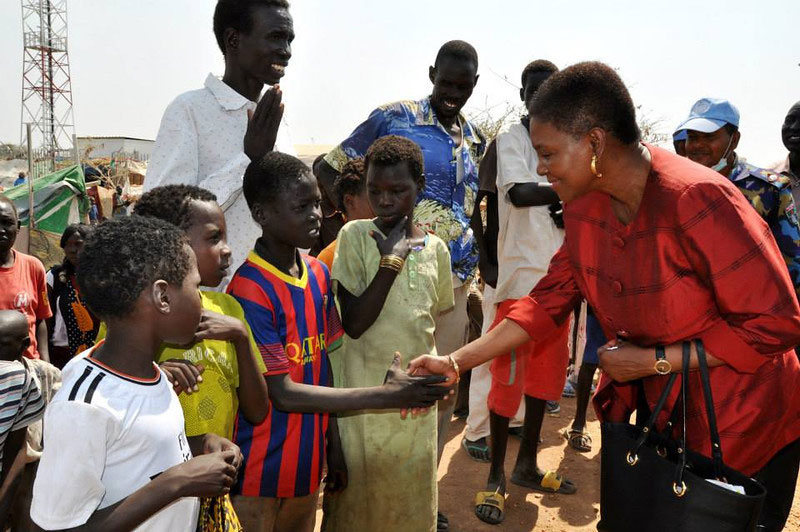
716 447
633 455
679 486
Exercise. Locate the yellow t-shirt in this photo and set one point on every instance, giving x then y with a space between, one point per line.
214 407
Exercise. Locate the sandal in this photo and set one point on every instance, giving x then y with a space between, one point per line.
493 499
551 482
478 450
578 439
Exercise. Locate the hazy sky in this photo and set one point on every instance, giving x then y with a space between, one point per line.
130 58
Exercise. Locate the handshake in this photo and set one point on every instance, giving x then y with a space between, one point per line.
426 380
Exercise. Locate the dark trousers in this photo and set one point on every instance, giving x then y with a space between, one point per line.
779 477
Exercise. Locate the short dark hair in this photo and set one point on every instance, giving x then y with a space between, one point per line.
587 95
5 199
74 229
125 255
393 149
731 129
171 203
267 177
457 50
539 65
238 14
350 181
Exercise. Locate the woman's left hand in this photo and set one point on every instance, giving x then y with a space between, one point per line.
625 362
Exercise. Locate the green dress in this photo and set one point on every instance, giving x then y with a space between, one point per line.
391 462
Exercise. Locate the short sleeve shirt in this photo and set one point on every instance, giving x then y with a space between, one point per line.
108 434
214 406
295 325
23 288
21 402
445 206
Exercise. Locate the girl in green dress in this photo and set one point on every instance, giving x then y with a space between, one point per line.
392 280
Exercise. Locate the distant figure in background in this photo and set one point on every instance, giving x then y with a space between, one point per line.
73 324
94 214
790 167
713 135
679 142
332 214
22 285
209 136
351 200
20 179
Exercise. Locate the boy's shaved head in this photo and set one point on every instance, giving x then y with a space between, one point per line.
6 201
14 335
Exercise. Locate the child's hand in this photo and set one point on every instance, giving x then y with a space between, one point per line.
215 326
208 475
396 242
212 443
406 391
183 375
336 480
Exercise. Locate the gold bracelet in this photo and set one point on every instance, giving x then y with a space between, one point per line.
454 365
392 262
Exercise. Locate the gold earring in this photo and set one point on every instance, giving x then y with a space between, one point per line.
593 166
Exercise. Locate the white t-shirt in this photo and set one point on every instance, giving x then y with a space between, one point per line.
107 435
201 142
528 238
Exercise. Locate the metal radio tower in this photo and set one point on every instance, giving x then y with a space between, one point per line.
46 85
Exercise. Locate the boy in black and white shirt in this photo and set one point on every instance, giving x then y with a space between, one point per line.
116 456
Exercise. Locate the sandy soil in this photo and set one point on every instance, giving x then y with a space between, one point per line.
461 477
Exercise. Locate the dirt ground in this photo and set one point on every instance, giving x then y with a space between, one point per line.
526 511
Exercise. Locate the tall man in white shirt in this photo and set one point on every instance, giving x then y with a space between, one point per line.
527 239
209 136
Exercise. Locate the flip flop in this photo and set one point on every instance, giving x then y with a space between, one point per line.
479 452
493 499
551 482
578 439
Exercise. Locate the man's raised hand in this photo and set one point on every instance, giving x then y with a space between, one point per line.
263 124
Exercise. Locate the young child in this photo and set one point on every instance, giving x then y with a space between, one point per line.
22 282
116 456
224 349
288 303
392 280
351 199
21 402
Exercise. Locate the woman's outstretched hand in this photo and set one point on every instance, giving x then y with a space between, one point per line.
410 391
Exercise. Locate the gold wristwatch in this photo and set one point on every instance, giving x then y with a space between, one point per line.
662 367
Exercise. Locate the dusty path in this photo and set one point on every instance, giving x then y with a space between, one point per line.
527 511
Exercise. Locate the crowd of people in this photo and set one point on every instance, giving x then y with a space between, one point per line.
210 361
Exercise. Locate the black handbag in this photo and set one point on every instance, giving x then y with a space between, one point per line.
650 482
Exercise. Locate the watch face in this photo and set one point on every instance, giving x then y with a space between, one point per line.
663 367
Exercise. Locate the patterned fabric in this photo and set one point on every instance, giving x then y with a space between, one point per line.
80 324
771 196
295 324
784 167
218 515
445 206
695 262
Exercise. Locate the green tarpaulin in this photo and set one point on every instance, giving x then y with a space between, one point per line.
59 199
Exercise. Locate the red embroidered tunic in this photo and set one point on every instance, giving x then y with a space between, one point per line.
696 262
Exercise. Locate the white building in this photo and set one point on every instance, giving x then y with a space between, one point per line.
138 149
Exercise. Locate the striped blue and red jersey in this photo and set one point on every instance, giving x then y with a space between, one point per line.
295 323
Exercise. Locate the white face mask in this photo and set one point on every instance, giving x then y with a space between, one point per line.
723 162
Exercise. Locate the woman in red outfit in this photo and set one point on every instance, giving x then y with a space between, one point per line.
664 250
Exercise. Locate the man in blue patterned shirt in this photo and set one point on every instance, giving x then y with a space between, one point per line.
452 147
713 135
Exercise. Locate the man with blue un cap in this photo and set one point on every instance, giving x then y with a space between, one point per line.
712 137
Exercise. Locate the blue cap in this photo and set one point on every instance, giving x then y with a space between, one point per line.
680 134
710 114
